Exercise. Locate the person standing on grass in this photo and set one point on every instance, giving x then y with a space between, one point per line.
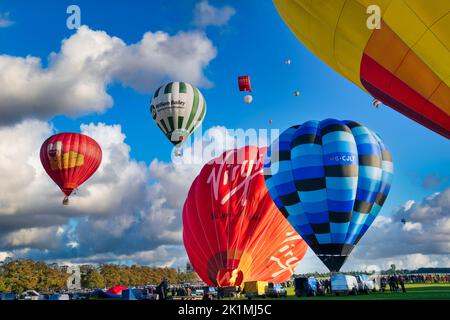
402 284
220 293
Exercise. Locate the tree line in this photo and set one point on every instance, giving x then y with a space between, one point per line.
20 275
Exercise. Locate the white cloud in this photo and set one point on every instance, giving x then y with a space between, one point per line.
4 255
422 241
127 210
207 15
409 226
76 79
5 21
408 205
40 238
425 231
130 211
381 221
408 261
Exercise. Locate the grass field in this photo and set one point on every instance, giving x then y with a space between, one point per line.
413 292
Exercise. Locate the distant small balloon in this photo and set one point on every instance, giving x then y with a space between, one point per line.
248 99
296 93
244 83
376 103
288 61
270 121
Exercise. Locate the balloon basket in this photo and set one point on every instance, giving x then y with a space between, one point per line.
65 202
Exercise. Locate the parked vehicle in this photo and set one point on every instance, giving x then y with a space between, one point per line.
56 296
275 290
365 285
305 286
8 296
255 289
231 292
198 292
376 281
30 295
344 284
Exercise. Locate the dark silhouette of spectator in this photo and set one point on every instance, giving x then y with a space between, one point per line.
391 283
220 293
162 289
402 284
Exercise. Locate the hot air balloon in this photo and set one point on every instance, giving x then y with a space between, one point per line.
288 62
178 108
117 290
232 230
244 83
330 179
70 159
248 99
296 93
405 63
376 103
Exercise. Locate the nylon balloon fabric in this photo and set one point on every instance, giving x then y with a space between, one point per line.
178 109
402 61
70 159
330 179
232 230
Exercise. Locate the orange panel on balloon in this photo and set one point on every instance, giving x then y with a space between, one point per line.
395 75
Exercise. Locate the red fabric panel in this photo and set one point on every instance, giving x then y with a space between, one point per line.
231 226
59 146
386 87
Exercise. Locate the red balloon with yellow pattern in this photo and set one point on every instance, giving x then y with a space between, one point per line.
70 159
232 230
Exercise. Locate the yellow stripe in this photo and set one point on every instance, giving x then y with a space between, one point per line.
336 31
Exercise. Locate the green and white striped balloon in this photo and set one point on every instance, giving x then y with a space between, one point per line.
178 109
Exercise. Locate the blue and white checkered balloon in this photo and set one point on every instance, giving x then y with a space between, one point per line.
330 179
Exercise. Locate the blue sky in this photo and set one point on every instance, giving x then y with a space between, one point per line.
255 41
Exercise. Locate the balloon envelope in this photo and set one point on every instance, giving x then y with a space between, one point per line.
405 63
330 179
116 290
70 159
248 99
178 109
232 230
244 83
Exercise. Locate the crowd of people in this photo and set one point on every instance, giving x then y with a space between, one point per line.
426 278
396 283
165 291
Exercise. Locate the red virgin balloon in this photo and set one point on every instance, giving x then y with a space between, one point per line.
70 159
232 230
